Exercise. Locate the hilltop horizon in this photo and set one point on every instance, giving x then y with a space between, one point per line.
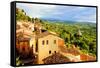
63 13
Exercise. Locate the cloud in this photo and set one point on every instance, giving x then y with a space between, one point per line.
86 15
91 18
36 10
68 13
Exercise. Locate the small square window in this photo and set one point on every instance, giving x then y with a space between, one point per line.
54 51
47 42
54 41
43 42
50 52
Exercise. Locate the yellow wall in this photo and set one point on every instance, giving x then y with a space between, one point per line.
43 50
33 42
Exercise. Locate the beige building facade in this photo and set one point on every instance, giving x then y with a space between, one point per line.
44 46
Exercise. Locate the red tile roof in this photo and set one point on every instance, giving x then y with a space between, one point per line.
85 57
56 58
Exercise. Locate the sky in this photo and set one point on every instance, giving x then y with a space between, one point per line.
57 12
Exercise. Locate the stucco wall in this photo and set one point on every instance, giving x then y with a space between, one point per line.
33 42
44 49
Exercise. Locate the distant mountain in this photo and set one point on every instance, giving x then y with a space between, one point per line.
64 21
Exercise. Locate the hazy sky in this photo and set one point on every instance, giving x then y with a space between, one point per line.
66 13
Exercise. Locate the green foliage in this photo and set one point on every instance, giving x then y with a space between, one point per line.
18 61
92 47
68 32
32 20
21 15
28 18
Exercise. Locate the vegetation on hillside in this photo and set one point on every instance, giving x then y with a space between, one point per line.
86 42
69 32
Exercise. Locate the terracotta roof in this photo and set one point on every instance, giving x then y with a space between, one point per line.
73 51
56 58
85 57
22 39
43 34
24 31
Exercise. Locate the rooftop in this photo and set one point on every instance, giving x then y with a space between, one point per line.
56 58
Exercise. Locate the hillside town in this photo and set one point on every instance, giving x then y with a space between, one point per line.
36 45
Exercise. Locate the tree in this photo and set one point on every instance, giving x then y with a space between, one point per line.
92 46
28 18
32 20
83 45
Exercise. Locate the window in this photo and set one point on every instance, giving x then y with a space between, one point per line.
54 41
36 47
43 42
54 51
50 52
47 42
